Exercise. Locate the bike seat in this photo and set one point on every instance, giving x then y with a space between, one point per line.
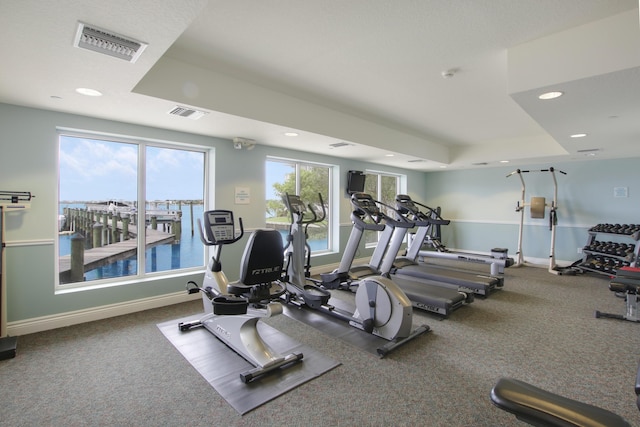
542 408
260 267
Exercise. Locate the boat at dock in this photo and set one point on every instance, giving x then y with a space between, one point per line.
119 207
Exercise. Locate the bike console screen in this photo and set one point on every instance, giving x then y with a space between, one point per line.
219 226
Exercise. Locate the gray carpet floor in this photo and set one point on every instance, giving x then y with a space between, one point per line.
540 328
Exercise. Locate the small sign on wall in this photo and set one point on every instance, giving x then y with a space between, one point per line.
620 191
243 196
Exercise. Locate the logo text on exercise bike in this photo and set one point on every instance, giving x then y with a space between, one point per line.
266 270
223 332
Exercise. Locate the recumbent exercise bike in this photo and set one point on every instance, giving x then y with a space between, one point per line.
232 310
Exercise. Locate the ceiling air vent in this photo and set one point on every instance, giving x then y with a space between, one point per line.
415 161
187 112
339 144
108 43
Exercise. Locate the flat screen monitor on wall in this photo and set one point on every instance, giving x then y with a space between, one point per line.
355 182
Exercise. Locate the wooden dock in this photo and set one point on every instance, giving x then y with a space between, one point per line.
104 255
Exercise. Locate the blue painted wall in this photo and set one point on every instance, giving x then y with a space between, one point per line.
28 162
480 202
481 205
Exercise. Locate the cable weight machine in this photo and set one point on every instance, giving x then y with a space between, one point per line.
537 207
9 201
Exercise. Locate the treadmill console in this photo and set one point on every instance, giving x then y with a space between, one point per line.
365 202
219 226
405 205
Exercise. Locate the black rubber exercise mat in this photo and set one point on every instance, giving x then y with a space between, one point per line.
221 366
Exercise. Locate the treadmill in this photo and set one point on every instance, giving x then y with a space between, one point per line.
408 267
424 294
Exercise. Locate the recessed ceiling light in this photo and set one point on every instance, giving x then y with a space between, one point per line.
504 161
88 92
578 135
443 166
550 95
291 134
389 155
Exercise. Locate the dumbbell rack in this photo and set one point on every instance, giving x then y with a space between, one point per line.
606 257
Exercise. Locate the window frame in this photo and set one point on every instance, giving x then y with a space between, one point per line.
330 213
142 143
401 185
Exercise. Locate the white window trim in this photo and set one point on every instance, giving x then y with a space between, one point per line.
332 229
141 143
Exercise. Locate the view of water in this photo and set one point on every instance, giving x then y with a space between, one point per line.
188 253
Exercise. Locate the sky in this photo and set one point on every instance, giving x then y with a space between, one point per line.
276 172
102 170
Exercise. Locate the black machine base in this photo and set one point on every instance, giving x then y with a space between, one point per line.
8 347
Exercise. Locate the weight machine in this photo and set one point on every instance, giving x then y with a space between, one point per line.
626 284
9 201
537 208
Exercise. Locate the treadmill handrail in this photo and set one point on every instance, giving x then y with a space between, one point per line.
404 203
364 203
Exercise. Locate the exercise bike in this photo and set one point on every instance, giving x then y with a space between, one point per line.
232 310
382 309
542 408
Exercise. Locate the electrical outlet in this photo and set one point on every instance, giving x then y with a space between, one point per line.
580 250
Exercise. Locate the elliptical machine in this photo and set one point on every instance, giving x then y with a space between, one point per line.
382 308
232 310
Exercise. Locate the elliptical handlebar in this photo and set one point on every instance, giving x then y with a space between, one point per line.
295 205
324 210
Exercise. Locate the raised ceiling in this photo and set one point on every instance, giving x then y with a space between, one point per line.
365 72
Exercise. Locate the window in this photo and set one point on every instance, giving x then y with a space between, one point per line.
126 208
306 180
384 188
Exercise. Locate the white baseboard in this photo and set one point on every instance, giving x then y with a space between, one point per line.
45 323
